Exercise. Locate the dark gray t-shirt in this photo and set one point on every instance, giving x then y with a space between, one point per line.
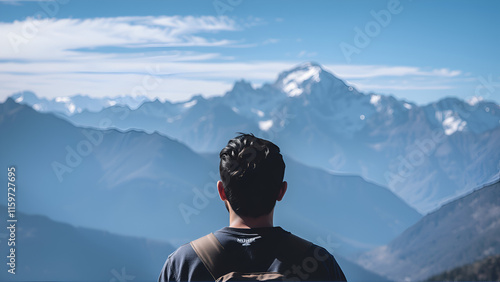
254 250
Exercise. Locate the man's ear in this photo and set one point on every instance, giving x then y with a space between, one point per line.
220 188
282 192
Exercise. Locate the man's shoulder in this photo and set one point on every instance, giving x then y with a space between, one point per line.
317 263
299 254
309 249
184 265
184 252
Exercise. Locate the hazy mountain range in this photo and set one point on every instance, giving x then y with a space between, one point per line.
459 233
427 155
76 103
147 185
53 251
130 176
148 169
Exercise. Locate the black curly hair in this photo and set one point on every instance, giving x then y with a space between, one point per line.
252 171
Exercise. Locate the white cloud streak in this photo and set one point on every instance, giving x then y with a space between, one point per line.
370 71
57 38
61 57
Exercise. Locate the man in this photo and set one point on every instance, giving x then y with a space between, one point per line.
251 171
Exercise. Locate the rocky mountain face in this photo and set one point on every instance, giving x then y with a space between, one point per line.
147 185
461 232
426 154
487 269
147 166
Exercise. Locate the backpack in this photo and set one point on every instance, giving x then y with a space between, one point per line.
211 253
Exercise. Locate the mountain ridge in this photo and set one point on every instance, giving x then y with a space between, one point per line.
460 232
122 165
422 153
71 253
70 105
132 183
487 269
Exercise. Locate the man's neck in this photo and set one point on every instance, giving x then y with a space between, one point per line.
236 221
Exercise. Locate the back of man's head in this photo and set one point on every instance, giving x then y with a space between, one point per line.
252 171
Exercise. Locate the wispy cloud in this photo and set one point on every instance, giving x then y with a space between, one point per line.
57 38
11 2
305 54
60 57
397 78
370 71
113 56
270 41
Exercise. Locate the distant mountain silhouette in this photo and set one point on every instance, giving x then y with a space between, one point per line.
148 185
47 250
339 208
427 154
459 233
129 183
75 104
148 168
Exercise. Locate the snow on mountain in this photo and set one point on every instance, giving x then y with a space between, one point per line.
294 80
310 86
311 90
305 79
75 104
347 106
454 115
324 122
256 104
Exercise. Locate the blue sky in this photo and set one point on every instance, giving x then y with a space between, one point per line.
417 50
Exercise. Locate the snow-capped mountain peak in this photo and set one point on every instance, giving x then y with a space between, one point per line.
308 78
327 123
294 80
454 115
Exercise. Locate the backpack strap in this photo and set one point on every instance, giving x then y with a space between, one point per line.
210 252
